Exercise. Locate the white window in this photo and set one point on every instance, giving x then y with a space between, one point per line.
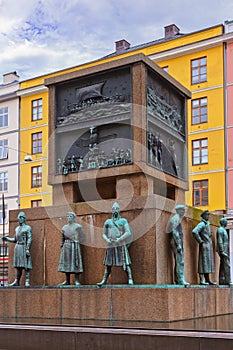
3 149
4 181
3 117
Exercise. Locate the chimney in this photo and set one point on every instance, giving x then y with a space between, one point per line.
122 45
171 31
10 77
228 25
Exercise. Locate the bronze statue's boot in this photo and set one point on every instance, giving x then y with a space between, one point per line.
130 278
202 280
17 280
184 283
77 283
27 280
66 282
105 278
207 278
212 283
15 283
181 281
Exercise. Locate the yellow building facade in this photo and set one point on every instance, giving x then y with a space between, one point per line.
196 60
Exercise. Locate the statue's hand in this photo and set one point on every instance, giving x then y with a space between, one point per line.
4 238
28 252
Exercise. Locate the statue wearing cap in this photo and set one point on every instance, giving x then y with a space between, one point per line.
202 234
223 252
118 235
174 229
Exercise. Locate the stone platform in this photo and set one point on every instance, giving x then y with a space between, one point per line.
27 337
137 303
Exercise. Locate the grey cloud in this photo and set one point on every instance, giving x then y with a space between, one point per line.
67 33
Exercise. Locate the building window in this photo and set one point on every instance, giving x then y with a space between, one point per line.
4 274
1 214
200 151
37 143
37 176
3 149
36 203
199 110
199 70
200 193
4 181
3 250
37 109
3 117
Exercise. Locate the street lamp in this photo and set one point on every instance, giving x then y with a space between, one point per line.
27 158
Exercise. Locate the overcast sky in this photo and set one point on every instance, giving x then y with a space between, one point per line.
42 36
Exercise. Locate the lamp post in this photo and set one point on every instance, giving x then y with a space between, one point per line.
3 235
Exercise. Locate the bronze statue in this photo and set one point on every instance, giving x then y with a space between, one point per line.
22 256
223 251
117 235
174 229
70 255
203 235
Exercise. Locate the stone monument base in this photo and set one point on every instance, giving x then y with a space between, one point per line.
137 317
118 303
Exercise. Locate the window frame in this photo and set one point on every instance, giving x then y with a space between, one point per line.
165 68
36 201
4 181
2 248
37 142
37 109
4 120
201 189
3 149
36 178
200 77
201 148
199 108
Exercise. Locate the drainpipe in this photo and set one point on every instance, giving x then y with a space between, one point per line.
225 122
18 155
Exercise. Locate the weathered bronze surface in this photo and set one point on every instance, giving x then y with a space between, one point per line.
174 229
118 235
203 235
223 251
70 255
22 256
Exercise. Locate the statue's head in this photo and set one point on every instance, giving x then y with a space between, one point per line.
223 222
205 214
115 210
71 216
180 209
21 217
